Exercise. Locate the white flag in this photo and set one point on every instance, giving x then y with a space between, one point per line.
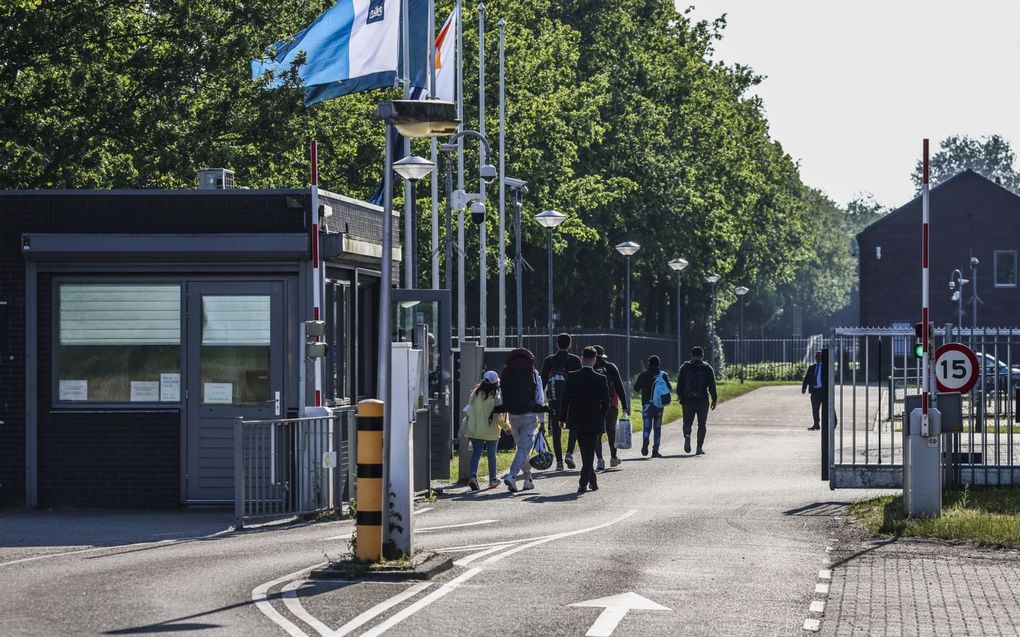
446 52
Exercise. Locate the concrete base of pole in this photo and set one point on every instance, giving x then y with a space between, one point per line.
922 467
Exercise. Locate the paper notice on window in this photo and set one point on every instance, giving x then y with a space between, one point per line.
74 390
144 391
218 393
170 388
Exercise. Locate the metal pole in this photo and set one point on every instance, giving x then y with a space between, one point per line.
461 281
482 247
502 185
518 269
434 149
925 387
412 249
743 354
385 284
627 311
449 224
549 270
679 322
407 255
974 298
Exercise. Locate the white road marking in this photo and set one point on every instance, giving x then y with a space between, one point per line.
812 625
424 510
258 595
615 609
443 590
455 526
557 536
117 547
464 561
293 604
818 606
472 547
825 574
379 609
822 589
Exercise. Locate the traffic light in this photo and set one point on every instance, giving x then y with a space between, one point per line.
918 340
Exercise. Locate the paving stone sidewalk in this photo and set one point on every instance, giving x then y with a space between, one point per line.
914 587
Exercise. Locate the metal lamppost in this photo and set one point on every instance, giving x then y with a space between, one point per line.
412 168
974 300
678 265
712 280
518 188
741 291
956 283
628 249
549 220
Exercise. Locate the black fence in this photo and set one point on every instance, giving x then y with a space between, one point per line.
770 358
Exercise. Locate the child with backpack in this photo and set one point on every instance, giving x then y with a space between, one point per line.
656 392
484 422
695 385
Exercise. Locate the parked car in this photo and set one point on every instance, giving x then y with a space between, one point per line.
997 375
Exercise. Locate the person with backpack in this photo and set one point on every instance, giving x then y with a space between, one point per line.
617 402
484 422
695 385
524 401
585 402
554 377
655 389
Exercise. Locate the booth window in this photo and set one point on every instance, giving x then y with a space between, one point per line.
1005 268
236 349
338 336
118 343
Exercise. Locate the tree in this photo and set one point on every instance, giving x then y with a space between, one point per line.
991 156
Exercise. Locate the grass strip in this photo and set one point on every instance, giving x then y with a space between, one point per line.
984 516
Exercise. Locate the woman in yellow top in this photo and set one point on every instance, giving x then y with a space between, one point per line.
484 423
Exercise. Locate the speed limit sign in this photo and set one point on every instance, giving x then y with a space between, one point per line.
956 368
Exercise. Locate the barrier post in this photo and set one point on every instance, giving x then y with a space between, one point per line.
370 480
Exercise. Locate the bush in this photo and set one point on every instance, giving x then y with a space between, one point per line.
768 370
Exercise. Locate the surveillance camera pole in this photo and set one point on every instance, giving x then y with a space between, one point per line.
518 265
482 246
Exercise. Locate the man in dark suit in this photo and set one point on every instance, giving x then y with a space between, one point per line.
584 405
815 381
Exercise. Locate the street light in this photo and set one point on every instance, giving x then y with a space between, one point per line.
518 188
741 291
412 168
549 220
678 265
628 249
956 283
712 280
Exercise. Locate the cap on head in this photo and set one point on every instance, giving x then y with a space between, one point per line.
589 353
601 351
563 341
491 377
697 352
653 361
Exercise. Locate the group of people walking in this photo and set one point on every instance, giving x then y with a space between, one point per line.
587 396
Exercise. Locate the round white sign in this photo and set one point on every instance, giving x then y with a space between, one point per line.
956 368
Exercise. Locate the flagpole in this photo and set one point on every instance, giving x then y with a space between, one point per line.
434 149
482 247
461 300
407 254
502 185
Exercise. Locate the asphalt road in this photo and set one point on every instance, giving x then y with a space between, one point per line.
729 543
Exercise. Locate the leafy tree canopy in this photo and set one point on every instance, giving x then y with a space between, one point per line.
991 156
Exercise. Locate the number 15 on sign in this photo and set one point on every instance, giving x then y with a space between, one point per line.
956 368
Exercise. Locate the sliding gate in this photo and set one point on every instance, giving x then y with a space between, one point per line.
873 374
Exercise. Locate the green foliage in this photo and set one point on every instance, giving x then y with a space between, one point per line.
991 156
768 371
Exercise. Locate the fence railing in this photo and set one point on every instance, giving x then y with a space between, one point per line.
290 466
874 376
770 358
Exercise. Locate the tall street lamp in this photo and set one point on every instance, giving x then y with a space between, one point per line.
628 249
712 280
549 220
678 265
412 168
956 283
741 291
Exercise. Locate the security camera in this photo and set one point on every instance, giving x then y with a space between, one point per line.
974 262
487 173
478 212
516 184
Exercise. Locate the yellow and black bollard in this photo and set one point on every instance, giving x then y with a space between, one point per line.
370 486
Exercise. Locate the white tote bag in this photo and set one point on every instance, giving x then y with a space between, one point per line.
623 437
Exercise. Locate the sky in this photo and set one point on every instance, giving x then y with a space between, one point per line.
852 87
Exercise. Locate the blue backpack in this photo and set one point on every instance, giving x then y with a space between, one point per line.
661 396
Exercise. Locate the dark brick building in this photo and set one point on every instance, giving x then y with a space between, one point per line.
971 216
135 326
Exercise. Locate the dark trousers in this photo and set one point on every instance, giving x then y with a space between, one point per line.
699 409
555 430
588 441
817 398
612 414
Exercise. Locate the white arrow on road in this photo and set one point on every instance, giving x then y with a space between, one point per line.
616 607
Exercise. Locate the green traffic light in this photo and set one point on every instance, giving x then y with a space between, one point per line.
919 350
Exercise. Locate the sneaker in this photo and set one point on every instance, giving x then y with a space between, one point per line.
701 451
600 465
559 465
493 484
656 454
528 485
687 444
644 448
813 427
511 486
582 489
569 459
473 485
614 462
593 487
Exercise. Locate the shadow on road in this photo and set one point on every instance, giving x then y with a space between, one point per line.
818 509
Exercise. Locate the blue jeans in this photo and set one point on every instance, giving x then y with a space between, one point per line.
653 422
476 456
523 427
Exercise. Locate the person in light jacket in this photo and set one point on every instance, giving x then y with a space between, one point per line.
483 424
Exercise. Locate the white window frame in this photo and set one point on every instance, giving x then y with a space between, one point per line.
995 269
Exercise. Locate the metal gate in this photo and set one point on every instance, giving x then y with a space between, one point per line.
872 372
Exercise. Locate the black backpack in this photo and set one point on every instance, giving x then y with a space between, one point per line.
557 378
518 382
696 383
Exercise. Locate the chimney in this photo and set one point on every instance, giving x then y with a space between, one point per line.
215 179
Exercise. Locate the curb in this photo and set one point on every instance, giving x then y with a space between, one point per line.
424 566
